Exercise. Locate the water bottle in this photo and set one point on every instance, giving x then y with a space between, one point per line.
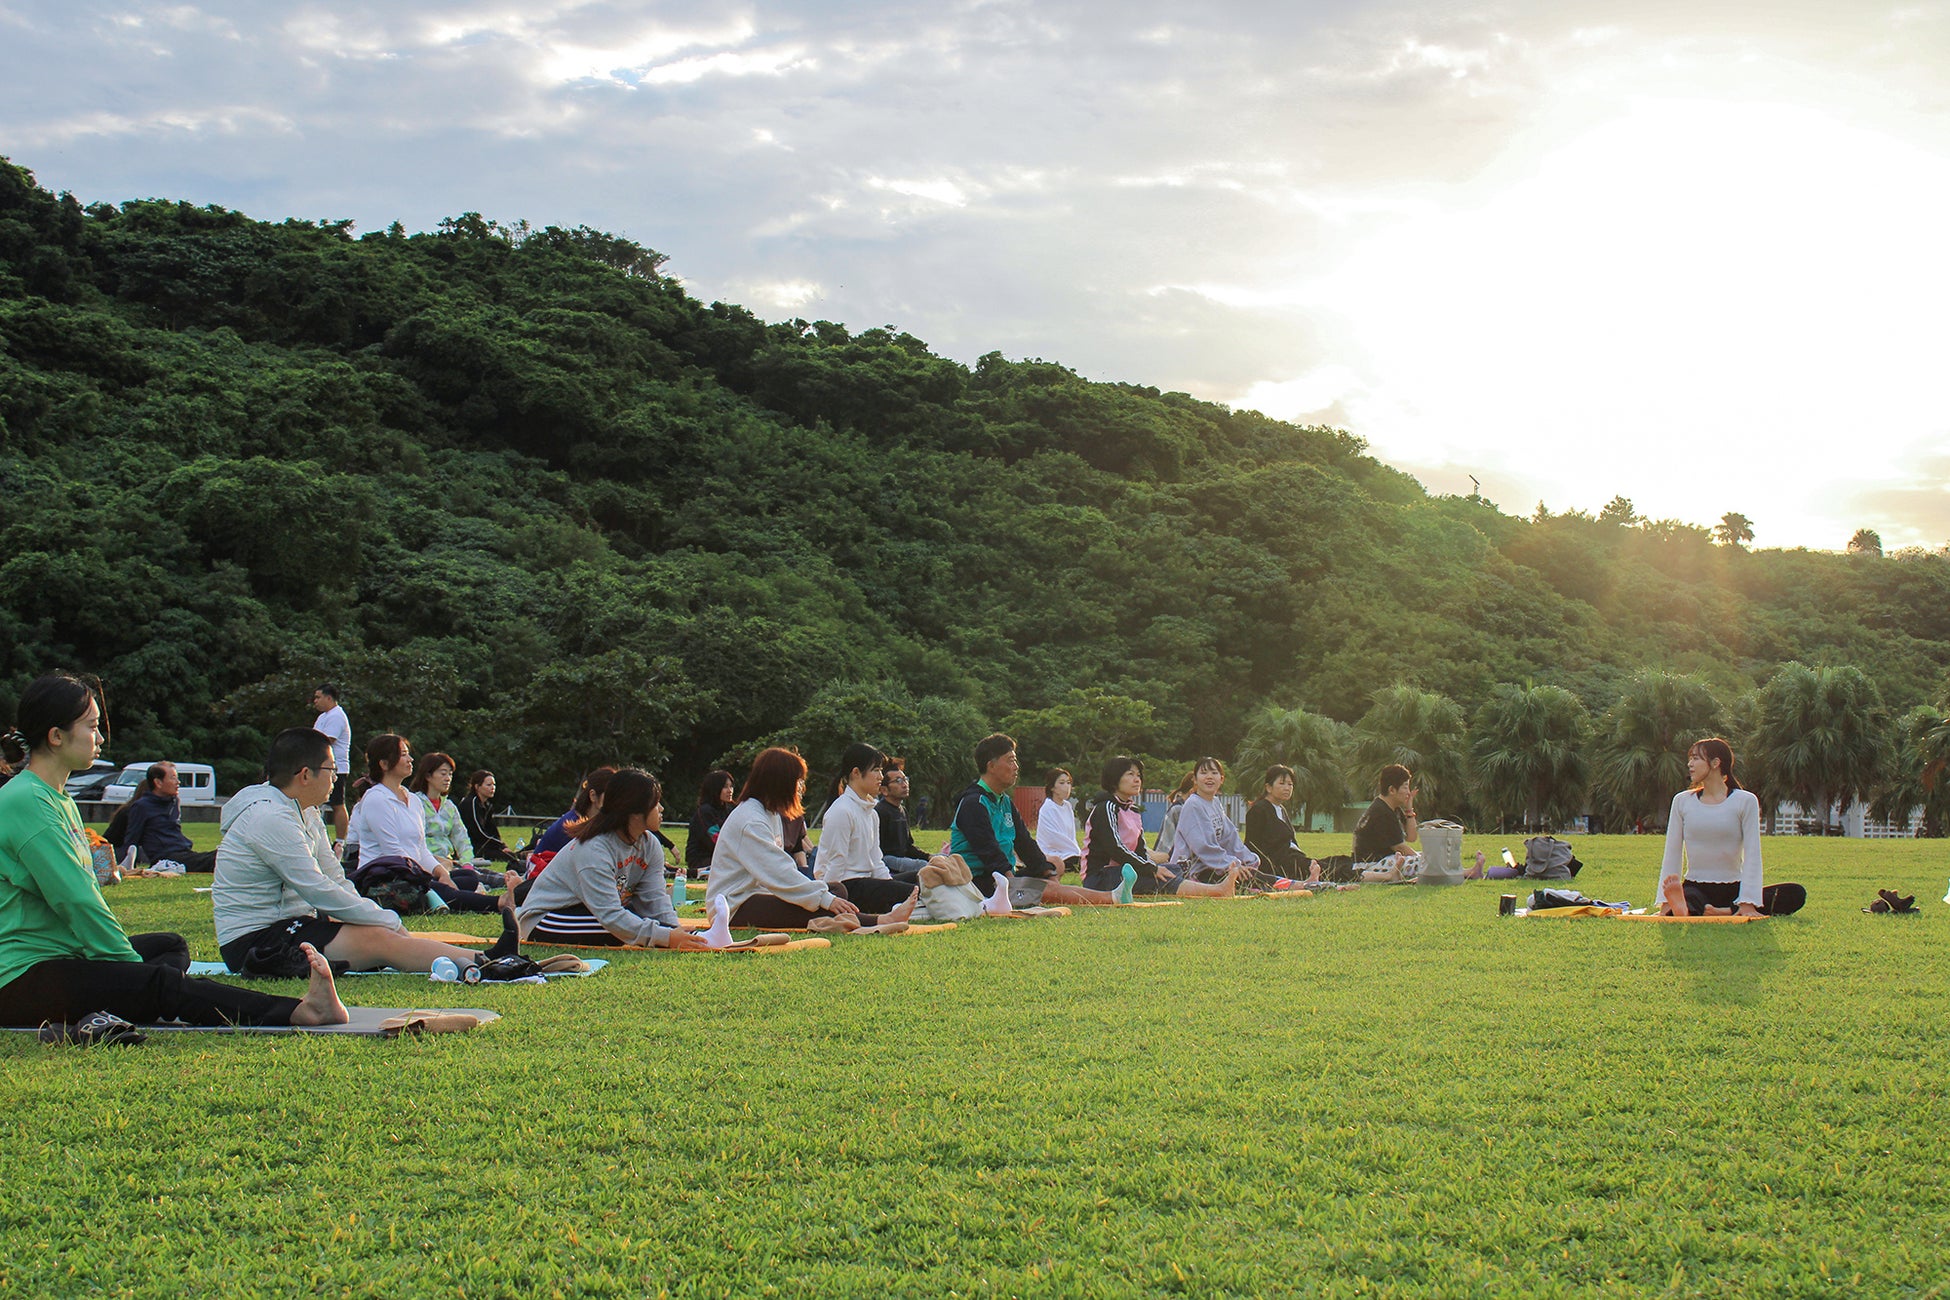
446 970
677 892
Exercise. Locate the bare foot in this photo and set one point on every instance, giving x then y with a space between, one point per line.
509 880
1313 873
1231 885
904 912
320 1005
1675 896
1717 911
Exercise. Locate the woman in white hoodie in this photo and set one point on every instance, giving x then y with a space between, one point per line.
760 882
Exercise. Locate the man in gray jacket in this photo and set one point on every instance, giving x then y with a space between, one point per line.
278 883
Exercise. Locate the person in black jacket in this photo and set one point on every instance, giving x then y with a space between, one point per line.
897 844
715 800
1270 834
477 815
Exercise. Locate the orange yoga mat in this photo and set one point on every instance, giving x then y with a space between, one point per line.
1695 920
914 928
794 945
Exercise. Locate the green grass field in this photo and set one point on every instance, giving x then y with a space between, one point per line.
1386 1092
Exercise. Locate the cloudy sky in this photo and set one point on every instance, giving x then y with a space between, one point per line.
1697 254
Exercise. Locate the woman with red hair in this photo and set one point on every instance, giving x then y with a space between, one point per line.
759 881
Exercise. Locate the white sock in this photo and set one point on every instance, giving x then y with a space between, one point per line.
719 935
998 901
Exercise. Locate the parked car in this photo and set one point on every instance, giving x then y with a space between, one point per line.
83 786
199 782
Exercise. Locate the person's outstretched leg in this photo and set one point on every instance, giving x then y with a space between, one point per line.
1055 895
1207 889
372 947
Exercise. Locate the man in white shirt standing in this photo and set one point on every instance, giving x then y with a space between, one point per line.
336 727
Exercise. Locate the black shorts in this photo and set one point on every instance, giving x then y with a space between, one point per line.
314 930
336 799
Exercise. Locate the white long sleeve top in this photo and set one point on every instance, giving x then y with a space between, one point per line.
1717 841
1056 831
389 825
849 841
750 858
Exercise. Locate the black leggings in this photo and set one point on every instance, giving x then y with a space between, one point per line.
1775 900
872 897
154 989
466 900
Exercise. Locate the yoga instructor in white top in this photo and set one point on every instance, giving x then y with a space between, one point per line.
1712 862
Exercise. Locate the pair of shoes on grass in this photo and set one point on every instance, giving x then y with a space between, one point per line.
1889 902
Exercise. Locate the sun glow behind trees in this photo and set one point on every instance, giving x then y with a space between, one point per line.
1694 302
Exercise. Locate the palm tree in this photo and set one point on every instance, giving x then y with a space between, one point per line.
1421 730
1528 754
1642 742
1916 775
1820 736
1734 529
1315 747
1867 541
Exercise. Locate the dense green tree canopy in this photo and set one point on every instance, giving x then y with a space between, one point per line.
532 503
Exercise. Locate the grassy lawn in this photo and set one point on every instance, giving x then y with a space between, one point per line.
1386 1092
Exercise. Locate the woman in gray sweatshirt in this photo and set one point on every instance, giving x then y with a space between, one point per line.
607 888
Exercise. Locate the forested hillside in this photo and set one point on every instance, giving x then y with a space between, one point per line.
529 501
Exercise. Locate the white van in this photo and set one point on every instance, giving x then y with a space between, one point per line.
199 783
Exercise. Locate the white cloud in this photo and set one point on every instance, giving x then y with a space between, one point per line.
1466 233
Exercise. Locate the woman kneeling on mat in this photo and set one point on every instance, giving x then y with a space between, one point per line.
1113 841
1715 829
608 889
63 957
761 884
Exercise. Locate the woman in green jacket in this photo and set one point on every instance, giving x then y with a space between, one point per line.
63 957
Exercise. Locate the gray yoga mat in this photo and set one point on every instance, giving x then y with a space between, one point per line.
365 1023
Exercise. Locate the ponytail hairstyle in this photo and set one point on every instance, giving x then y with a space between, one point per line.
627 793
474 780
594 786
857 757
1050 778
382 751
1713 749
50 701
